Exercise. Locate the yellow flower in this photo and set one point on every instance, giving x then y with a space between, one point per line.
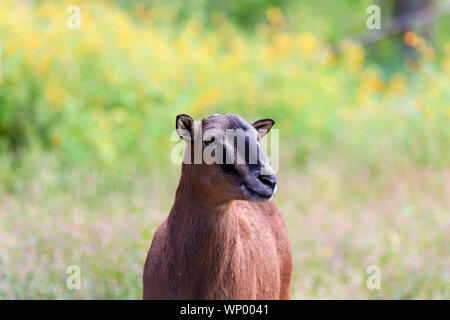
275 15
397 84
209 47
428 54
205 99
49 11
329 58
307 43
411 39
56 139
353 55
371 81
140 11
447 48
55 95
193 28
43 65
282 43
445 64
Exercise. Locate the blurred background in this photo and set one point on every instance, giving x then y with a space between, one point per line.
86 118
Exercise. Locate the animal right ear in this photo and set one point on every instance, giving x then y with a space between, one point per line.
263 126
185 126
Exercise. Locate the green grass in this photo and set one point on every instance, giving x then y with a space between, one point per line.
341 219
86 119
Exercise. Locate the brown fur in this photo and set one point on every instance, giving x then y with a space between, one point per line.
218 249
216 243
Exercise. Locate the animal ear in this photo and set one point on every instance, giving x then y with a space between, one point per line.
185 126
263 126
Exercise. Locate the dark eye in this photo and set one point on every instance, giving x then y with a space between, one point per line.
209 141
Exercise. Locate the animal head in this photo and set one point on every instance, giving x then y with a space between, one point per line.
224 154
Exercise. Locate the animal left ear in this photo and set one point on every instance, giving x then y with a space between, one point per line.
263 126
185 126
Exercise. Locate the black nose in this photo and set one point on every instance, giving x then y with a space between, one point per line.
268 180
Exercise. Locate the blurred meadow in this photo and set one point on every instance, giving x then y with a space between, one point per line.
86 118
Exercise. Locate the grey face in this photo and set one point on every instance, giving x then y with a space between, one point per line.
231 155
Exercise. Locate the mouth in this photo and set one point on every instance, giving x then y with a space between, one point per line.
260 196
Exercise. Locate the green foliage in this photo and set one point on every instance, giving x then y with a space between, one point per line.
86 118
